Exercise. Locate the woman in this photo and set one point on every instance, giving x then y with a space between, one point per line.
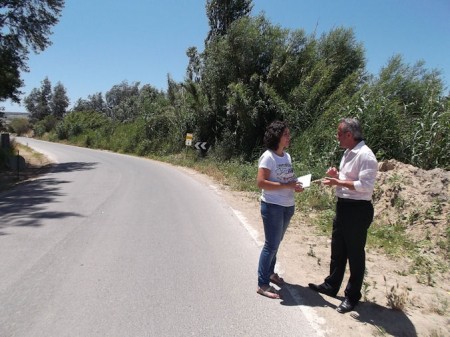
278 182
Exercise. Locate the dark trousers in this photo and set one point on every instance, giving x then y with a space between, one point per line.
353 218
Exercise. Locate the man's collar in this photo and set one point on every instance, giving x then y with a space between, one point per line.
359 145
356 148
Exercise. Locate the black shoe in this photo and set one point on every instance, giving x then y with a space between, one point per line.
320 288
346 306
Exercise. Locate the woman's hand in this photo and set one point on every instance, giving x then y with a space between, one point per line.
263 182
296 186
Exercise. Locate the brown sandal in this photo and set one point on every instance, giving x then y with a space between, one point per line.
269 292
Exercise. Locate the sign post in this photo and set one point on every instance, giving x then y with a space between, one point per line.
188 142
189 137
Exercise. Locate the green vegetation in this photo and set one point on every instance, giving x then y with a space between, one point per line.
19 126
250 73
25 26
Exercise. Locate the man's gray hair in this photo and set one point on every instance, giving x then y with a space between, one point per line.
354 126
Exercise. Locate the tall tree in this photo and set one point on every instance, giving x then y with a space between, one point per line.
121 100
227 84
222 13
59 101
94 102
38 101
194 66
24 26
10 65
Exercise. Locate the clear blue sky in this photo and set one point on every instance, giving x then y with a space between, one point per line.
100 43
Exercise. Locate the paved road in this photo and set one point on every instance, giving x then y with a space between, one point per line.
114 245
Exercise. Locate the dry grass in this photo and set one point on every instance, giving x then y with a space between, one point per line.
397 298
36 164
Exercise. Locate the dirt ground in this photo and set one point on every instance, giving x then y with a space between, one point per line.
35 165
403 193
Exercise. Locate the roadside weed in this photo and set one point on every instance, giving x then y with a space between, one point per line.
396 298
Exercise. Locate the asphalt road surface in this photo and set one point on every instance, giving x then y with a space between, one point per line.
115 245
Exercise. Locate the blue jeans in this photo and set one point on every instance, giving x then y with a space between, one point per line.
276 219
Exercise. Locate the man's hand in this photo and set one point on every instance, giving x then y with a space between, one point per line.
330 181
333 172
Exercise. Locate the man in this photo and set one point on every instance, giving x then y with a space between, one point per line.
354 213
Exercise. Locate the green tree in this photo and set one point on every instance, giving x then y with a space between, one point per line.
59 101
19 125
222 13
395 125
326 65
10 65
24 26
94 102
408 114
38 101
208 104
121 101
44 102
150 101
195 64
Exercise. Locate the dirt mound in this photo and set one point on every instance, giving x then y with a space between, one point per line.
416 199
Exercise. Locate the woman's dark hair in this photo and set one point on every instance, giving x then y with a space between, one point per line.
273 134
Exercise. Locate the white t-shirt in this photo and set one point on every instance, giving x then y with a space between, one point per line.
280 171
359 165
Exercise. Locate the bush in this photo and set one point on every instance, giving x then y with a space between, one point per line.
430 144
61 131
19 126
39 129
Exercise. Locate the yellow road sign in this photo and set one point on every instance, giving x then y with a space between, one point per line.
189 137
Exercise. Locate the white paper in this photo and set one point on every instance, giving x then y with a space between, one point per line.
305 180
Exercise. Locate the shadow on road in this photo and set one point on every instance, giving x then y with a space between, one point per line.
392 322
25 204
